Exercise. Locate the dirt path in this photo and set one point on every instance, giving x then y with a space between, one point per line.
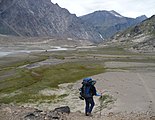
150 95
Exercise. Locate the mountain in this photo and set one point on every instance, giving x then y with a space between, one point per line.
140 37
40 18
108 23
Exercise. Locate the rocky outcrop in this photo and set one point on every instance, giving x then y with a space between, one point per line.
11 112
148 45
108 23
40 18
140 37
8 112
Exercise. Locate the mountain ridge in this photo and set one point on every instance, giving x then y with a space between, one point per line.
108 23
43 18
140 37
40 18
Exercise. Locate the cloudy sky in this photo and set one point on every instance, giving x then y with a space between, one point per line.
128 8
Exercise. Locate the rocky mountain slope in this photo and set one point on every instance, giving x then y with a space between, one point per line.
39 18
140 38
108 23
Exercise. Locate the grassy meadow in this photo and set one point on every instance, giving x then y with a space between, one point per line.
22 85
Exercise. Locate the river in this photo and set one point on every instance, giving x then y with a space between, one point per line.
4 53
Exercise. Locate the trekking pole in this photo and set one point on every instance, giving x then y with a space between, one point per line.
100 104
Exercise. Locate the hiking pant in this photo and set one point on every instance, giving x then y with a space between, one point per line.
89 104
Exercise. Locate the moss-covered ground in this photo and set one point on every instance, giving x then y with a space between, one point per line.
24 84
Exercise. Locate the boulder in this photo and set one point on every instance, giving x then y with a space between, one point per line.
64 109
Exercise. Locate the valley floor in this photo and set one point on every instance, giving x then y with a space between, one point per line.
132 91
127 80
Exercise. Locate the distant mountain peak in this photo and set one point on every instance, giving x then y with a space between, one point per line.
142 17
103 12
108 23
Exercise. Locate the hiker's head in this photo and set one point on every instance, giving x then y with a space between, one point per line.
93 82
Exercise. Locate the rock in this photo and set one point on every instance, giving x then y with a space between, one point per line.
7 110
64 109
30 116
38 111
54 115
110 114
152 117
43 113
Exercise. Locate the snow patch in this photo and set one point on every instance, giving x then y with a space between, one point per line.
101 36
115 14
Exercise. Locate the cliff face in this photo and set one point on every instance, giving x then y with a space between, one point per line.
42 18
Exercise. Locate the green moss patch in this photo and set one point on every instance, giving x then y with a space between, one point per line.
30 82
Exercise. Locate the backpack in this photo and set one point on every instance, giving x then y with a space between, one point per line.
86 89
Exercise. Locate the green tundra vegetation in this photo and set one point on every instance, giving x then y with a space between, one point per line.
23 84
30 82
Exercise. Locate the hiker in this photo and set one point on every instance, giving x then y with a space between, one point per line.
87 91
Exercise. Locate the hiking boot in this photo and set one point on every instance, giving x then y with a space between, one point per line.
86 114
89 114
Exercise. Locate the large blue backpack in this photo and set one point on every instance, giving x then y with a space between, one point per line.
86 91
